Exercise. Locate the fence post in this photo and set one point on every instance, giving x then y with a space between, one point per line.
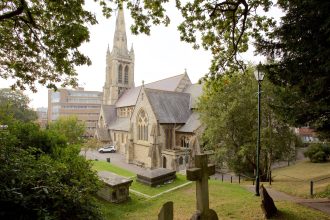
270 177
312 183
239 178
231 179
222 177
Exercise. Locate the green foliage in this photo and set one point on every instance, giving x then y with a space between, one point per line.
58 184
318 152
70 128
14 104
27 135
300 47
40 40
228 108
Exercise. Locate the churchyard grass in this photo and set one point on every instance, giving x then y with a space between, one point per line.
105 166
150 191
230 201
295 179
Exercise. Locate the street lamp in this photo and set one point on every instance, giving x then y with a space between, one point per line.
259 77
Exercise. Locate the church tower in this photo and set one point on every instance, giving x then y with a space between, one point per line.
119 73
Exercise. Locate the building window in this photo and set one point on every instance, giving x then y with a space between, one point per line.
142 125
126 75
114 136
180 161
168 138
120 72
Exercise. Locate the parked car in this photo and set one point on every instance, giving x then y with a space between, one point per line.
107 149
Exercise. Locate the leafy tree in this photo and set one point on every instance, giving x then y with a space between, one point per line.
58 184
300 49
14 104
40 39
228 108
29 135
70 128
90 143
318 152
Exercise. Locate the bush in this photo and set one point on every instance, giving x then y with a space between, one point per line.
318 153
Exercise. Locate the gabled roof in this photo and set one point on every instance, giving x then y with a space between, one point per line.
192 124
169 107
168 84
130 96
103 134
109 113
121 124
195 91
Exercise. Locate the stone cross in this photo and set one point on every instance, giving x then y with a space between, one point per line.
201 174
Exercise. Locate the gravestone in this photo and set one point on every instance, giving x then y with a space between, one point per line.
166 213
267 203
201 174
156 177
116 187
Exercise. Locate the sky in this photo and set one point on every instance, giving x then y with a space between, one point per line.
157 56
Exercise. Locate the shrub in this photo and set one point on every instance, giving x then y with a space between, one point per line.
318 153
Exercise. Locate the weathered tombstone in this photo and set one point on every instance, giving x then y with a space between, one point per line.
267 204
201 174
116 188
166 213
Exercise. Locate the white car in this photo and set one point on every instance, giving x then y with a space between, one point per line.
107 149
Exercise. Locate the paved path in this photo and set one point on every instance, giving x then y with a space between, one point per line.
319 204
115 158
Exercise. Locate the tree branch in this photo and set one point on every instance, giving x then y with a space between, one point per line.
11 14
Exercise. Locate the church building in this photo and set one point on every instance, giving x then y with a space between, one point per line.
154 125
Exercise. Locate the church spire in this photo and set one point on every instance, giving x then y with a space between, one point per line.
120 39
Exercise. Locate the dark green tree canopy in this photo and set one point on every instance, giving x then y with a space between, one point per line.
300 49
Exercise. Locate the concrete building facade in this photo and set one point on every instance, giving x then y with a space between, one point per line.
85 105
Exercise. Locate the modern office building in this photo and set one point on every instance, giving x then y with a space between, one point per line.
78 102
42 117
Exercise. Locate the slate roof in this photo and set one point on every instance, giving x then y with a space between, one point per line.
103 134
109 113
169 107
192 124
195 91
168 84
121 124
130 96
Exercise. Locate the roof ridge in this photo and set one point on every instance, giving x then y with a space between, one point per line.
165 79
166 91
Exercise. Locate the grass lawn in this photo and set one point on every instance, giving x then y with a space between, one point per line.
230 201
295 179
151 191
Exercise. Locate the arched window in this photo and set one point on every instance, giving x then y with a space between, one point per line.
120 73
126 75
180 161
142 125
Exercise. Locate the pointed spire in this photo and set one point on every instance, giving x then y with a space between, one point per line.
108 50
120 39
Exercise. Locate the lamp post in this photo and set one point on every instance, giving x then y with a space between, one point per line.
259 77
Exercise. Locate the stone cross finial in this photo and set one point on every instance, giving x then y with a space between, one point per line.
201 174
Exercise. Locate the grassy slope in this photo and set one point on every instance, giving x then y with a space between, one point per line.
230 201
302 172
102 165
